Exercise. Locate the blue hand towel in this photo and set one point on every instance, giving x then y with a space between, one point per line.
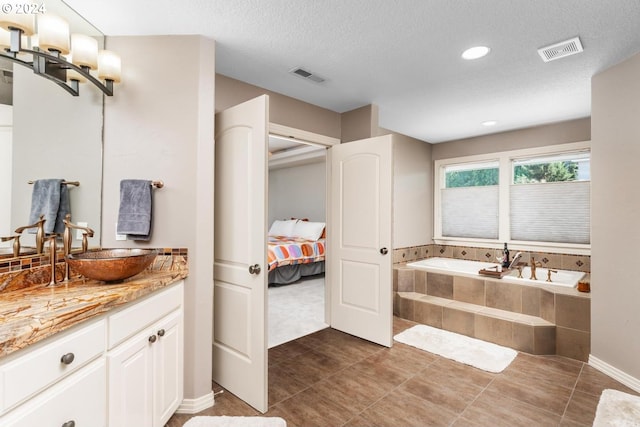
136 206
50 198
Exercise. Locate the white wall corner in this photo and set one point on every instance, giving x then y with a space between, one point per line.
615 373
193 406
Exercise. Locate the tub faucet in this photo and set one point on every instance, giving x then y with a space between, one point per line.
534 264
516 257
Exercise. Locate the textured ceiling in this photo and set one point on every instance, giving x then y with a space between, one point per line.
403 55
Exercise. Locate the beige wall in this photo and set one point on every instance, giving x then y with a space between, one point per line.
556 133
360 123
615 233
298 192
160 126
412 192
283 110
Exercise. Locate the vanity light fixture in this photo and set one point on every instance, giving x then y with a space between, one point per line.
53 53
475 52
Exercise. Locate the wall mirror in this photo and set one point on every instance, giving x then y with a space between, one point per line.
47 133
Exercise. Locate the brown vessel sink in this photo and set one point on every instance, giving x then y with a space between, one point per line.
111 265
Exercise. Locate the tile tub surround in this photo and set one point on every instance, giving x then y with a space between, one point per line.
549 260
537 320
32 311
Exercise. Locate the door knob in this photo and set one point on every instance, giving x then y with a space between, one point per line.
161 333
153 339
254 269
384 251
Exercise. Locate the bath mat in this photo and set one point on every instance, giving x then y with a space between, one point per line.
470 351
226 421
617 409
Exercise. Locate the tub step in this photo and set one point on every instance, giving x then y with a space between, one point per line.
522 332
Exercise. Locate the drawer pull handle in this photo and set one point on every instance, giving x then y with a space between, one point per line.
152 339
69 424
67 359
161 333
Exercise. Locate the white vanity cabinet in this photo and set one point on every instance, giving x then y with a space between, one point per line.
59 382
146 370
124 368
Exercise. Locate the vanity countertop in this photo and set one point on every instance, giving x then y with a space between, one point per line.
32 312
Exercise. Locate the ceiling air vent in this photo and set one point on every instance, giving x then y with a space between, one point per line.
301 72
560 50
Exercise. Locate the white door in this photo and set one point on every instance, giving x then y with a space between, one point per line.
360 238
240 276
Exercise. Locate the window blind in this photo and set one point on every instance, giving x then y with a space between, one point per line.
551 212
470 212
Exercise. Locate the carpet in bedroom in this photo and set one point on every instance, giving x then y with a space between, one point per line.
295 310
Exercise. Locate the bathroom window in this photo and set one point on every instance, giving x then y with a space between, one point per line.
535 198
470 200
550 198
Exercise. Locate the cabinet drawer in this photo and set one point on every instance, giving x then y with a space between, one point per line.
39 368
130 321
80 398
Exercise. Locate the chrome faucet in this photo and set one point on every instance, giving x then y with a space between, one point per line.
53 258
516 257
39 234
534 265
16 243
67 239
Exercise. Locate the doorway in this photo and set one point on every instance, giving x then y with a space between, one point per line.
297 188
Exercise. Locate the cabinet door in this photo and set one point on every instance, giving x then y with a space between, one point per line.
80 398
168 368
131 383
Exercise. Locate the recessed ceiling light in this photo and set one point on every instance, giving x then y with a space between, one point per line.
489 123
475 52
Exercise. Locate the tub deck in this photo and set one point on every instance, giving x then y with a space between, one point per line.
565 278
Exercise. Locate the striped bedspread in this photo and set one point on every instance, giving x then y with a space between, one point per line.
284 250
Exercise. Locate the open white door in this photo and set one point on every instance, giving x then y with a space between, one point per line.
360 238
240 276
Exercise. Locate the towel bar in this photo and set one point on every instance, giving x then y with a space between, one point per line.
76 183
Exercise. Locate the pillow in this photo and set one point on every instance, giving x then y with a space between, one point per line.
308 230
282 228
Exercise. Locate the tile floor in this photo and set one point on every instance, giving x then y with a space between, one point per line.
333 379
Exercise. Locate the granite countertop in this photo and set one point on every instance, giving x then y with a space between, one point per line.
31 311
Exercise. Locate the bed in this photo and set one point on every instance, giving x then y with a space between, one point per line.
296 248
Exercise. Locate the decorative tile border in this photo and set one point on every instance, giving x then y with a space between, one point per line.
32 261
549 260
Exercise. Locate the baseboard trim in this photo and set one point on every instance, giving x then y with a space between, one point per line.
615 373
193 406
